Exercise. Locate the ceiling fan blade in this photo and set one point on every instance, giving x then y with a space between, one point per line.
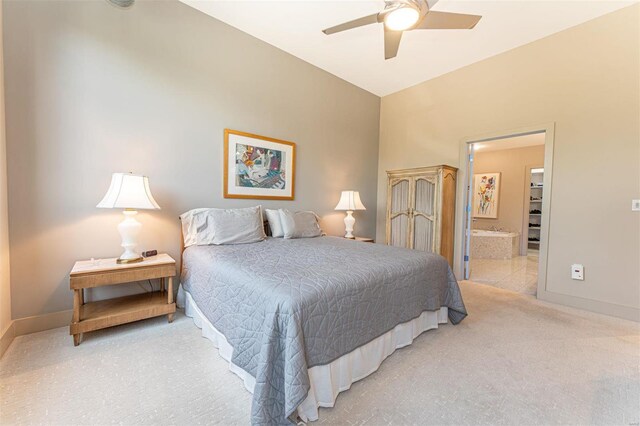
447 21
360 22
391 43
431 3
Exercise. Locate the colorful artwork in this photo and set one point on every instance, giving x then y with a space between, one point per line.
258 167
485 195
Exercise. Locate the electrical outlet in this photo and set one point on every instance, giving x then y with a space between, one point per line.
635 205
577 272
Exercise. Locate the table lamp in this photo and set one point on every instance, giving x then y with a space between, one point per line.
129 192
350 201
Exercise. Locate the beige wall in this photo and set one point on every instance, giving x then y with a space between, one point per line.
92 89
512 164
586 80
5 286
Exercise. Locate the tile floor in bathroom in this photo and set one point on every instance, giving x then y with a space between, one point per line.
518 274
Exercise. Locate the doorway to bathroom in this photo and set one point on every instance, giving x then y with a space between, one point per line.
507 211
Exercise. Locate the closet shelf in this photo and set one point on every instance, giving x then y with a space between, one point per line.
535 209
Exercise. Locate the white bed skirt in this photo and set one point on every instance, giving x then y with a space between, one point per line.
327 381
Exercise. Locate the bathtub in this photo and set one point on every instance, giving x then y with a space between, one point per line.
494 244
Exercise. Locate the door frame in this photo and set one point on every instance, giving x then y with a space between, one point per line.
462 213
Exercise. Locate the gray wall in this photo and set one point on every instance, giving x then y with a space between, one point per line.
92 89
585 79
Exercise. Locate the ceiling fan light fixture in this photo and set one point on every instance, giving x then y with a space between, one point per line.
402 18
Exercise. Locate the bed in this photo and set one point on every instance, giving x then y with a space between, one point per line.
301 319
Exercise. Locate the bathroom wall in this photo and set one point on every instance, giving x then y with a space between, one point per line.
511 163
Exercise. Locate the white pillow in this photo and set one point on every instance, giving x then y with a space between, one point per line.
299 224
237 226
197 229
275 224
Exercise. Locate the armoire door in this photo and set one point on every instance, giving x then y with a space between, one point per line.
399 212
423 214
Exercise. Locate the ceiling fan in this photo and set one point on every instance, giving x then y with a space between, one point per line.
407 15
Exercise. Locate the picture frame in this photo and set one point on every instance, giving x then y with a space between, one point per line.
258 167
486 195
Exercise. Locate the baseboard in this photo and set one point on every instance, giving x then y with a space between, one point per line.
7 337
620 311
34 324
44 322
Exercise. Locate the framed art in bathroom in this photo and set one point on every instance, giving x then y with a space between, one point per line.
486 193
258 167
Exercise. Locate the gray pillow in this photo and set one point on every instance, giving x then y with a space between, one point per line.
299 224
197 228
237 226
275 224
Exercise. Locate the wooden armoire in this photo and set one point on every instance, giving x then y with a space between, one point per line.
421 209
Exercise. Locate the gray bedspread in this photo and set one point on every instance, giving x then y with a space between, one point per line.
288 305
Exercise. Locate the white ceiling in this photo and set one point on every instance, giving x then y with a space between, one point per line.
295 26
510 143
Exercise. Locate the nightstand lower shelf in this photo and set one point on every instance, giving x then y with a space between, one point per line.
122 310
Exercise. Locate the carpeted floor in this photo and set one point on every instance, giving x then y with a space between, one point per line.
514 361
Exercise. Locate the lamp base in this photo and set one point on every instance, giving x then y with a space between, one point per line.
349 221
124 261
129 229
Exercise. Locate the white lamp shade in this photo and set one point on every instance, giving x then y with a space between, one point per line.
128 191
350 200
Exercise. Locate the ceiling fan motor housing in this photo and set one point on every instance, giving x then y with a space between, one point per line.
420 6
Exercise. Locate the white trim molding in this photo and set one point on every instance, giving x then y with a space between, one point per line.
606 308
34 324
43 322
7 337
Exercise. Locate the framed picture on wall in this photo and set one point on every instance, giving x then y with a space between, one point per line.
258 167
486 193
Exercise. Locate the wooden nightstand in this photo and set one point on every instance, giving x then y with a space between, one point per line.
121 310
